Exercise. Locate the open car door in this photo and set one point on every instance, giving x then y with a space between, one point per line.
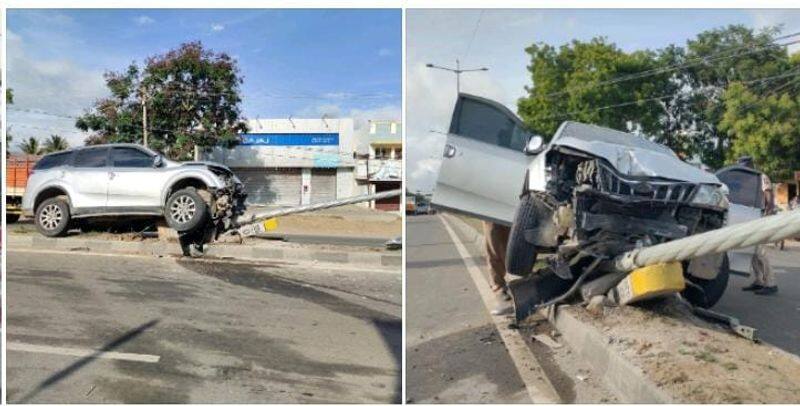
483 164
746 203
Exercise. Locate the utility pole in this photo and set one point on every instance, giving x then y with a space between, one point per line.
458 71
144 118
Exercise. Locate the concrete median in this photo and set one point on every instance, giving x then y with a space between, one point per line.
251 251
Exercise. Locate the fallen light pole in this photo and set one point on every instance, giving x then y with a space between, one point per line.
655 267
253 224
755 232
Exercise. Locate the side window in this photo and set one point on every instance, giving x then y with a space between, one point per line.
744 187
130 158
91 158
52 161
485 123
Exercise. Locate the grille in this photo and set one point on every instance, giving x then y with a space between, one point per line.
665 191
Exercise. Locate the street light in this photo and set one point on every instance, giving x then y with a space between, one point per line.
458 71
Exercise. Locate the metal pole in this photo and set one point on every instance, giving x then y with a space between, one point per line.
755 232
250 225
144 119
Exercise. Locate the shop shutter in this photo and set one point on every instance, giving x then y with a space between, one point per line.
323 185
271 186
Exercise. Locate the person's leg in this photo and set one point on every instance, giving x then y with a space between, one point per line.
757 265
496 239
767 277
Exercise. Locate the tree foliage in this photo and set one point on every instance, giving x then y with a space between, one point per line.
675 94
191 95
31 146
55 143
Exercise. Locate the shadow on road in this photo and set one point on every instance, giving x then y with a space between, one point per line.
389 326
75 366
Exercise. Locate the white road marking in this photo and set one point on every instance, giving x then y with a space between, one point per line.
539 387
285 263
78 352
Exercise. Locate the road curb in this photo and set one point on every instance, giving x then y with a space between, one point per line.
626 380
623 378
239 252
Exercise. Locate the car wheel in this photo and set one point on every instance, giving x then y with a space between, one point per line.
712 288
520 254
186 210
52 217
11 218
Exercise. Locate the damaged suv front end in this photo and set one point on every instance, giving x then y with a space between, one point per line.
595 193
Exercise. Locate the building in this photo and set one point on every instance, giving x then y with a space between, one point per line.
291 162
381 168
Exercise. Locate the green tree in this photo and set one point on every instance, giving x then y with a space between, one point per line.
31 146
55 143
191 96
718 58
9 100
574 82
764 127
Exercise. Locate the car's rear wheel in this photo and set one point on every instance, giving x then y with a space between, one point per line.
52 217
186 210
521 254
712 289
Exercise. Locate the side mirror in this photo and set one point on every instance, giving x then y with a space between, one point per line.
158 161
534 146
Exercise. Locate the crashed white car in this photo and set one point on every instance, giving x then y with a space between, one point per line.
591 193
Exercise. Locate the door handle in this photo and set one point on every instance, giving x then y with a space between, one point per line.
449 151
111 175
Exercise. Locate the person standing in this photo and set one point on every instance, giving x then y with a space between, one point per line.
764 279
495 238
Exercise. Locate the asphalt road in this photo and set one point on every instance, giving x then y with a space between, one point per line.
88 328
777 317
454 351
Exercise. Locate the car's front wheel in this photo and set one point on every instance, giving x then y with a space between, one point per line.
521 254
52 217
186 210
712 289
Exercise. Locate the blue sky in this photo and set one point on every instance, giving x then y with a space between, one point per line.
303 63
496 39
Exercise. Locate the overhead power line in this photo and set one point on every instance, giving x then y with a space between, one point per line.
662 97
694 61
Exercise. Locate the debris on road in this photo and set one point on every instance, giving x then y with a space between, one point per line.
546 340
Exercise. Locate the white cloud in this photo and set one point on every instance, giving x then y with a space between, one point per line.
143 20
385 52
217 27
57 87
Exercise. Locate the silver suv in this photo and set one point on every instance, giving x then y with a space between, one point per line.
127 181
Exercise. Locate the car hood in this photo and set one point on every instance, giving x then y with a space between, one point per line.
629 154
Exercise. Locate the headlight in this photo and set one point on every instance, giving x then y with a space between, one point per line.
710 195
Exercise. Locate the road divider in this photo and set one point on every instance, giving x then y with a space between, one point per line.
244 252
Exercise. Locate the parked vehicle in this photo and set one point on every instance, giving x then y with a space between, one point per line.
746 195
126 181
590 193
411 204
423 207
18 168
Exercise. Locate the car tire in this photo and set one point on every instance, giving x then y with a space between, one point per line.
11 218
520 254
713 289
186 210
52 217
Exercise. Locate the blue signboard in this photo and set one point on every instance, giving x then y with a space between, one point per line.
291 139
